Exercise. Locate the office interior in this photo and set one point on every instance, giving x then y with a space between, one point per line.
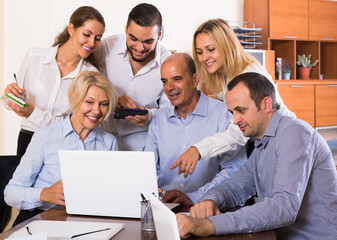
35 23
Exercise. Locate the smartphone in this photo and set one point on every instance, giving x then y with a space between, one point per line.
13 99
130 112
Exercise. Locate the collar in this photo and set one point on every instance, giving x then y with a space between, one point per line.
68 129
201 109
50 58
271 129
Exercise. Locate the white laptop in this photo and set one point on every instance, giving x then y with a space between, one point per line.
107 183
165 221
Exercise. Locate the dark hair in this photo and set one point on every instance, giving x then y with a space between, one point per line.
145 15
78 18
189 63
259 87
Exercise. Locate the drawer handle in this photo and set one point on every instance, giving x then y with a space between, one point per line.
296 85
327 39
290 37
332 85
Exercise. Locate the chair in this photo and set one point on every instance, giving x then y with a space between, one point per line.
8 165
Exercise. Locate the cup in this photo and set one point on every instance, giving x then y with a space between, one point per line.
146 218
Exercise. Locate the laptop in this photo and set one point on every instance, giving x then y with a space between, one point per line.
165 220
107 183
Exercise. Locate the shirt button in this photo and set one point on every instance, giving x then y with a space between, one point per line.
182 185
265 198
184 146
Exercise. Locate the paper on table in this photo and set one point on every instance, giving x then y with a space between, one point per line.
35 236
66 229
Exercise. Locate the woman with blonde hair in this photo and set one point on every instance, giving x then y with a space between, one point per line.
46 73
36 184
219 57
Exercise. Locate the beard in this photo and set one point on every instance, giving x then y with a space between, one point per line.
141 59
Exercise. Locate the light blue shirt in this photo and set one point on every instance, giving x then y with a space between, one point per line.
39 167
170 135
295 178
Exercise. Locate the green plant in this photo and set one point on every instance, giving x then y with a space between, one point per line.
286 68
305 61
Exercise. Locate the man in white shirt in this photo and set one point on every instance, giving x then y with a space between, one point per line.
132 63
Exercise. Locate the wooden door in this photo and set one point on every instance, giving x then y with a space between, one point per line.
300 100
288 19
326 105
322 20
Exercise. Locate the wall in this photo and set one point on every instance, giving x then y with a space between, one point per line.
35 23
1 74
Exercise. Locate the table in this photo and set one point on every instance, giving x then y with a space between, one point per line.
131 229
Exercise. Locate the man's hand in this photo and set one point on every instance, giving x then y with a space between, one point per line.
139 120
53 194
198 227
187 161
177 196
204 209
125 101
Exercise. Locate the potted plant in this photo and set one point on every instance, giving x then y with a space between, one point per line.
305 65
286 70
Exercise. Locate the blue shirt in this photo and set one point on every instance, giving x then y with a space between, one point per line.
295 178
39 167
170 135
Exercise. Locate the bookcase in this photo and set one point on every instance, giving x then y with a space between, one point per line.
324 51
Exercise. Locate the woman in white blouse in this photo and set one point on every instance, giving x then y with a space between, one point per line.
219 57
46 73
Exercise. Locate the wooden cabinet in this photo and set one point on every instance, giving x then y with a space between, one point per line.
288 19
314 101
300 100
326 105
283 19
322 20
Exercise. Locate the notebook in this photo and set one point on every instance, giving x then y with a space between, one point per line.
107 183
165 221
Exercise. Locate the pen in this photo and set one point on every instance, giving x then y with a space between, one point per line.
144 199
16 80
81 234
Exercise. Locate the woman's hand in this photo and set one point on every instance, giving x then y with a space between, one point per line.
53 194
22 112
14 89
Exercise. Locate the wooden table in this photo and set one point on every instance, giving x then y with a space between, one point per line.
131 229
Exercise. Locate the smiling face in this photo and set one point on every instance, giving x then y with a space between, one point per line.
141 42
208 55
86 38
179 86
92 110
251 121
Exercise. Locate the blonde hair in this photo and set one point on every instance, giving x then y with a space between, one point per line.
81 84
234 57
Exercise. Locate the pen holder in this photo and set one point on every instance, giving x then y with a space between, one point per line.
146 217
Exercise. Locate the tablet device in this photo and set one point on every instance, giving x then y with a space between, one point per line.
130 112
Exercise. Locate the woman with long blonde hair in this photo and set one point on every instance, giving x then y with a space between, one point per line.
219 57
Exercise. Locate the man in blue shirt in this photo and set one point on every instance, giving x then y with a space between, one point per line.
291 169
173 129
